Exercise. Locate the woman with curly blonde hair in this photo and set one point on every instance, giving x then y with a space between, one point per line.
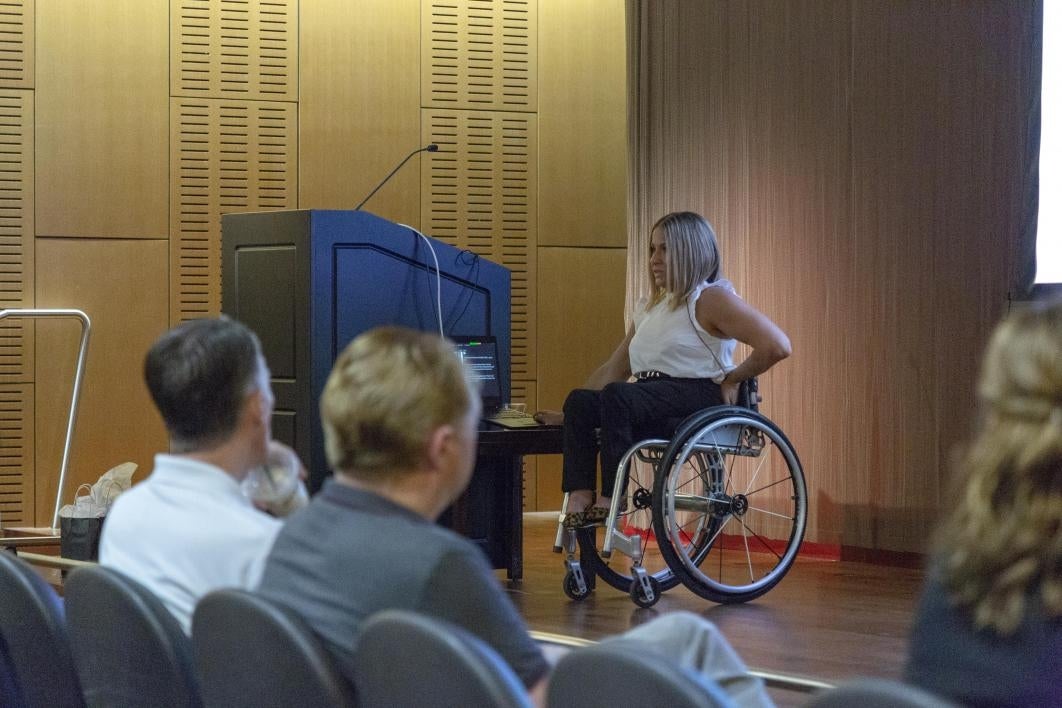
989 630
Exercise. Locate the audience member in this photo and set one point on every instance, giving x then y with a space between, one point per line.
400 418
989 628
188 529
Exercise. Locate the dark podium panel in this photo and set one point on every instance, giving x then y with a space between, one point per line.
490 513
309 281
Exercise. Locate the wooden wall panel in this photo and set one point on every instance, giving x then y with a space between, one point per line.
480 193
234 49
937 145
359 105
17 34
102 118
580 318
582 124
690 132
120 284
799 183
16 455
862 165
16 290
16 232
227 156
479 54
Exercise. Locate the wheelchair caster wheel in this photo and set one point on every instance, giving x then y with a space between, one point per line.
639 595
571 587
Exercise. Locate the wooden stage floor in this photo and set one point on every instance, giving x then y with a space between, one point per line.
829 620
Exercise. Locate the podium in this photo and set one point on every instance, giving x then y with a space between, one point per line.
309 281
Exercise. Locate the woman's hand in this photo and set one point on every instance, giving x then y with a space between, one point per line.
729 391
549 417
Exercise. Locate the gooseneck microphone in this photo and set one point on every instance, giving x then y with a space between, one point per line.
427 148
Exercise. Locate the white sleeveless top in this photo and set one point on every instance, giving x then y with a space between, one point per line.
673 341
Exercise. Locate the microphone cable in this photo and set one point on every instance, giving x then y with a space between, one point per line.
438 276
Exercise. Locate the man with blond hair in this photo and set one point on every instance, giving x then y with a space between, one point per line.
400 417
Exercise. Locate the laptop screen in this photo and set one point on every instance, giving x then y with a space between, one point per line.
480 355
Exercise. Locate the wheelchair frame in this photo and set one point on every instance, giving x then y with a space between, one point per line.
723 446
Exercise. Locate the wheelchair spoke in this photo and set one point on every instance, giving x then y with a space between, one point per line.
761 540
763 458
718 531
691 480
771 513
695 520
768 486
748 554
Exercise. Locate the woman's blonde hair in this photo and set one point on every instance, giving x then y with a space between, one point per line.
692 256
389 389
1001 549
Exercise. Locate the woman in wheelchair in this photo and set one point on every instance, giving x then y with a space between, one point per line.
680 353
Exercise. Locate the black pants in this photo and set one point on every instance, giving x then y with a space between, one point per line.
625 413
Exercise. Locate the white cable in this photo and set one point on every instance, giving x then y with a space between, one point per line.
438 276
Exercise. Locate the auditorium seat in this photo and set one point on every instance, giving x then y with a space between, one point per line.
34 639
129 650
609 675
406 659
252 654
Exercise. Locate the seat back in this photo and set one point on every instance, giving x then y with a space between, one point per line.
252 653
877 693
609 675
129 650
441 664
39 664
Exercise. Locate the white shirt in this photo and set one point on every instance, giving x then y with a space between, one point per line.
187 530
673 342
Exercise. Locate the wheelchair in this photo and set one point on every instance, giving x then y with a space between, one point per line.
728 508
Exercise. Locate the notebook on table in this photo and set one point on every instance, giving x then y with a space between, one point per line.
480 355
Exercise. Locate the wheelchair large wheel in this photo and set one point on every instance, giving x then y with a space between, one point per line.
616 569
729 504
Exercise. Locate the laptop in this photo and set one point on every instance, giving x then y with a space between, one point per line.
480 355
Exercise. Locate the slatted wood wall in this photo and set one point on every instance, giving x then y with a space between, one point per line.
16 290
16 260
480 194
228 155
480 54
234 132
192 108
235 48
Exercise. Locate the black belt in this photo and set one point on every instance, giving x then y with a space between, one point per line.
651 374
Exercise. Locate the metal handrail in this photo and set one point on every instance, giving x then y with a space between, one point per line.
53 561
86 328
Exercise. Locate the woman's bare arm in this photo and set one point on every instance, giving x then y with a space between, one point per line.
724 314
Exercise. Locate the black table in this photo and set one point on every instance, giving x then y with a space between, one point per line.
490 512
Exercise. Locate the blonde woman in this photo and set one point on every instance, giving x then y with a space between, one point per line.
989 629
680 351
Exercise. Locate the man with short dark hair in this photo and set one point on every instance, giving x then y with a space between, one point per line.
188 529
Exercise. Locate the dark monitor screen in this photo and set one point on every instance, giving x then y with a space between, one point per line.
480 355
